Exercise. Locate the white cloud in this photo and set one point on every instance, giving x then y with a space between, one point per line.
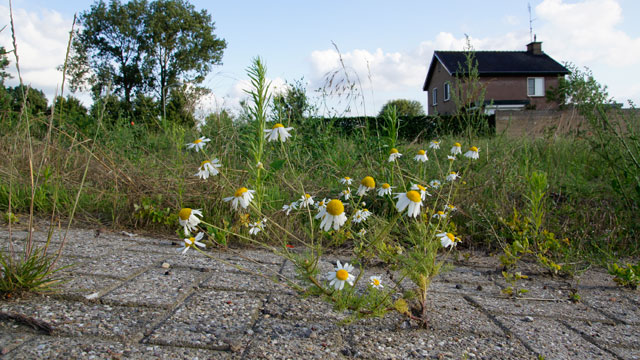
586 32
42 44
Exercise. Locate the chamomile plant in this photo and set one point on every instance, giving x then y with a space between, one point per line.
394 216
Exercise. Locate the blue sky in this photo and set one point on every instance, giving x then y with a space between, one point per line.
387 44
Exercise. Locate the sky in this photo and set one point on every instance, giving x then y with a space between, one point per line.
386 47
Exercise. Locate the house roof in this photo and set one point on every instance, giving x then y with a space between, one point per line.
496 63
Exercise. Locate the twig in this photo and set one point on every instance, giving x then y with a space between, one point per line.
37 324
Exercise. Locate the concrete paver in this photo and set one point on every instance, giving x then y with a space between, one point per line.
136 297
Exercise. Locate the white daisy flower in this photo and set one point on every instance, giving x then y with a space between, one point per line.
361 215
306 200
346 194
440 215
257 226
365 185
411 200
434 144
198 144
242 196
191 242
472 153
394 154
333 215
188 219
435 184
277 132
208 168
448 239
385 189
287 208
452 176
421 156
346 180
362 232
421 189
375 282
450 207
456 149
340 275
321 204
451 157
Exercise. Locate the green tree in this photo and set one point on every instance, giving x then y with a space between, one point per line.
292 105
4 64
182 46
404 108
110 49
578 88
71 110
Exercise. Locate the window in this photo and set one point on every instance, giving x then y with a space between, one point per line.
447 92
535 86
434 96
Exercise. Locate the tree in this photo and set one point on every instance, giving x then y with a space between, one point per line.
143 48
4 64
404 108
110 49
292 104
578 88
181 44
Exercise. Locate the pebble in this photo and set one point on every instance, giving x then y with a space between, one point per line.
527 319
165 265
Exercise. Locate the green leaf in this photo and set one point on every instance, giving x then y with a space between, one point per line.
276 164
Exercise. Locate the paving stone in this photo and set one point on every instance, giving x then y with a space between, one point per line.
156 287
616 303
299 308
118 265
551 309
77 318
369 342
43 347
626 353
453 313
594 278
609 334
294 339
13 335
83 285
209 319
242 281
551 339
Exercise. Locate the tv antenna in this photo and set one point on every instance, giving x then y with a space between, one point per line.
531 36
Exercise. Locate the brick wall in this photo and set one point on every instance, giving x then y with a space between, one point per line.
536 123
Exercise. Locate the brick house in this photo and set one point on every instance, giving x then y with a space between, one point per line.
513 80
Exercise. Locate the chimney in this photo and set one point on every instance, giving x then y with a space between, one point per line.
535 48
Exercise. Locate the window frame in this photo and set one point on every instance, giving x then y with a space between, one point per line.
536 81
434 96
446 96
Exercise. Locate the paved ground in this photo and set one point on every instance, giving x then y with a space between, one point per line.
121 303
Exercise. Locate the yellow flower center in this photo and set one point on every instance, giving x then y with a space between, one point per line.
474 149
278 125
335 207
376 282
457 145
184 214
342 274
365 210
421 152
394 150
347 178
413 196
422 188
386 186
368 181
440 213
453 173
435 141
240 192
451 237
197 141
204 162
307 196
